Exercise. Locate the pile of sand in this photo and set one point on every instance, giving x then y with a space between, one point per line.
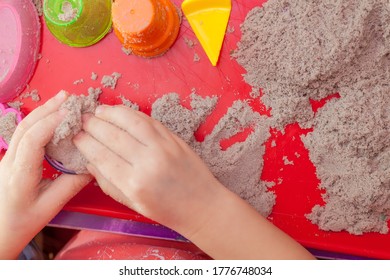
61 147
302 50
8 124
68 12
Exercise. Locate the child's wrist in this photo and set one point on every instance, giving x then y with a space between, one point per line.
205 213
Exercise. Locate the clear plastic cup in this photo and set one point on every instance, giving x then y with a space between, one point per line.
78 23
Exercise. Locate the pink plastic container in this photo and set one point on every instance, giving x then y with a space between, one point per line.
20 37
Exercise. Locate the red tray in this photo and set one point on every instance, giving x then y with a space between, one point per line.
145 80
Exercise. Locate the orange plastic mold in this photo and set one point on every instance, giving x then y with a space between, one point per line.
147 28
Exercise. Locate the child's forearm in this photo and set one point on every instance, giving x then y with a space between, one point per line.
235 230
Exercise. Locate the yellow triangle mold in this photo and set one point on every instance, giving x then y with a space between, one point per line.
209 20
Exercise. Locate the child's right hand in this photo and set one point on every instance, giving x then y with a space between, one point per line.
141 164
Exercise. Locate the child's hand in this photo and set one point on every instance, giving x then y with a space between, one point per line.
141 164
27 202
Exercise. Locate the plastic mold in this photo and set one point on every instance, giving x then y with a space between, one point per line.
78 23
58 166
19 46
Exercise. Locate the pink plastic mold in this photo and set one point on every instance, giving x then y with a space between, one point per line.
4 111
20 37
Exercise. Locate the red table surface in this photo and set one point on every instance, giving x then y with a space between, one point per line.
145 80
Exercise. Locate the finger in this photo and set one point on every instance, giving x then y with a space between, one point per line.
136 125
41 112
157 125
116 139
139 113
60 191
113 167
108 188
162 129
30 152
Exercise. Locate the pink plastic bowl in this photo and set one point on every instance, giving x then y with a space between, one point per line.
20 36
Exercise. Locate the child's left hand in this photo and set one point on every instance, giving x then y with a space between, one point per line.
27 201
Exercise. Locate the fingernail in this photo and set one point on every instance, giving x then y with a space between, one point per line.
61 95
100 109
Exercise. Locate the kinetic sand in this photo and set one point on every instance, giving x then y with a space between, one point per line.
61 147
301 50
8 125
68 12
239 167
